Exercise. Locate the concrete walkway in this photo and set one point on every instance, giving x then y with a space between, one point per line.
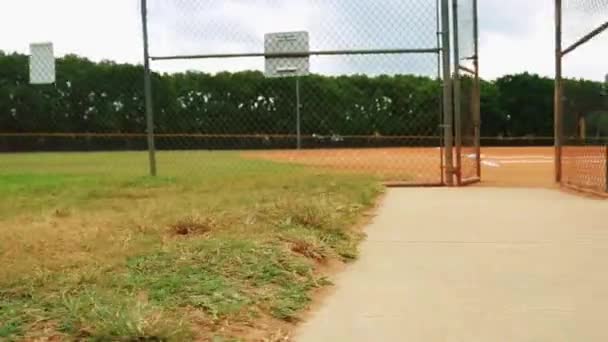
475 264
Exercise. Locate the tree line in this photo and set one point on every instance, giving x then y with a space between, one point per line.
107 97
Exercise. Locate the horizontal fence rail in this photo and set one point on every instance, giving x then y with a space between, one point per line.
299 54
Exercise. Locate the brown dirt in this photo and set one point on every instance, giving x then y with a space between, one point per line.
532 167
421 165
502 166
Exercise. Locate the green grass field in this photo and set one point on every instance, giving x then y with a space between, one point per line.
217 247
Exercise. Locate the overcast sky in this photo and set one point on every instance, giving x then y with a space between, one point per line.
516 35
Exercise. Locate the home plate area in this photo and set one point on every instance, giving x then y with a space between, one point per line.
489 160
517 166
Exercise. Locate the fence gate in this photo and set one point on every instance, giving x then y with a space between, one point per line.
466 92
581 110
356 86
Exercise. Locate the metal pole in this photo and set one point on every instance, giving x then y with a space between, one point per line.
558 91
586 38
148 91
298 117
457 91
477 104
299 54
447 93
441 144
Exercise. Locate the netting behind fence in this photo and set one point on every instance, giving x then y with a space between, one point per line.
584 100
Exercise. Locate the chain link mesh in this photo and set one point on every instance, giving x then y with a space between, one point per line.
469 86
373 112
584 96
467 15
92 106
580 17
184 27
368 85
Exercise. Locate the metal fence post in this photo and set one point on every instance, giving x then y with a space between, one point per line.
148 91
457 93
298 114
558 114
441 133
477 95
447 94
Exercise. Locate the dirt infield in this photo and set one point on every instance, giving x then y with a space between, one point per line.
501 166
416 165
518 167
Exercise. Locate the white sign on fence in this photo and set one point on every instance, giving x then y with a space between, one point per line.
42 63
287 42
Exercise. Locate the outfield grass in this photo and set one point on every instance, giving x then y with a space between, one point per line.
218 247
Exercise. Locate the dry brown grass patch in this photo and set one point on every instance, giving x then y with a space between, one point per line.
308 250
193 225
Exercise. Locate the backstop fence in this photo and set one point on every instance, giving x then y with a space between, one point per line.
344 84
581 107
389 88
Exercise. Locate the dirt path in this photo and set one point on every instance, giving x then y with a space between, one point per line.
475 264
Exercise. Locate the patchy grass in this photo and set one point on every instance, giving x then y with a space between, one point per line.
193 225
218 248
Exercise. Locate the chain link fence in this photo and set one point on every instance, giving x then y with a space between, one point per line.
82 93
582 110
356 86
80 105
467 91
